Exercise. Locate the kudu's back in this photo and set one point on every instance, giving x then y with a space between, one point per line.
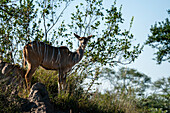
49 57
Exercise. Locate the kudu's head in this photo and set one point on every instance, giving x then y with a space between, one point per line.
83 40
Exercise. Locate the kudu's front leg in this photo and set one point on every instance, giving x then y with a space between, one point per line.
28 75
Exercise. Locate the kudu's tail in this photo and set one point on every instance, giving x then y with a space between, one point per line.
24 53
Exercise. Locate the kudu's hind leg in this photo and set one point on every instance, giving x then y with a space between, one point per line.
28 75
64 82
61 81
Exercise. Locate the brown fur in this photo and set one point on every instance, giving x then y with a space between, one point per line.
52 58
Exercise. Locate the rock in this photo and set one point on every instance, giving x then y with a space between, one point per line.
1 64
8 70
1 67
11 76
39 101
38 93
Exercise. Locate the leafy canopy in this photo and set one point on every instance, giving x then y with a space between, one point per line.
160 40
54 22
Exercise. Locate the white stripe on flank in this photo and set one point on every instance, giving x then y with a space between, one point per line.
40 50
32 46
44 52
59 52
37 48
59 58
46 58
52 55
56 59
57 55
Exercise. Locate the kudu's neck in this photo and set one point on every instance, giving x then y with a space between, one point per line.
79 53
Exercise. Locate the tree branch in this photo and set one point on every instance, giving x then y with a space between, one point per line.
67 4
45 27
85 19
88 24
10 13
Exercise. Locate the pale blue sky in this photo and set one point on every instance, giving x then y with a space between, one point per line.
146 13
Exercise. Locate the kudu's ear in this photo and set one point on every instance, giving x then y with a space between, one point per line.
77 36
90 36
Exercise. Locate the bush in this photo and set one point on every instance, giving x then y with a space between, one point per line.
77 100
7 105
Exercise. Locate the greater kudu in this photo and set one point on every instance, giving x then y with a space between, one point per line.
52 58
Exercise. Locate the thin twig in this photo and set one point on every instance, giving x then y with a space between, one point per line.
88 24
85 19
45 27
58 17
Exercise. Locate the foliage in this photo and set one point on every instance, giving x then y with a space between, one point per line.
16 18
158 100
127 80
160 40
155 103
75 97
161 94
9 103
135 84
127 95
111 45
119 99
162 86
48 78
27 20
78 100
